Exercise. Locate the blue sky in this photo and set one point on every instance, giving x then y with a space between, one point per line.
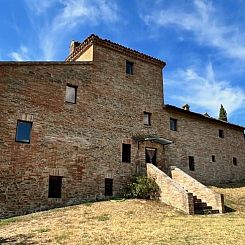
202 41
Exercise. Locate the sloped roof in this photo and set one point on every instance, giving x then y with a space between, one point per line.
93 39
174 108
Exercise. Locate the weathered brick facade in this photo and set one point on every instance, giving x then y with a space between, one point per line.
198 136
82 142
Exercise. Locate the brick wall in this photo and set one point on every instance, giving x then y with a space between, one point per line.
80 142
199 138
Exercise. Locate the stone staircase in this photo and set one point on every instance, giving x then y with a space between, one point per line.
185 193
201 207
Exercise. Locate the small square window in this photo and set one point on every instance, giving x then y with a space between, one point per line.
23 131
147 118
126 153
173 124
55 184
129 67
213 158
221 133
108 187
234 160
71 94
191 163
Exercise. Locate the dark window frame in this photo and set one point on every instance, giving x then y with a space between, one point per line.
149 118
234 161
173 124
126 153
75 87
55 189
221 133
129 67
191 163
213 158
108 187
17 129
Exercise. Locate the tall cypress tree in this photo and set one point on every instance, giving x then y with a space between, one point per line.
222 113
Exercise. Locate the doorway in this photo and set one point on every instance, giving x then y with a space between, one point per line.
151 155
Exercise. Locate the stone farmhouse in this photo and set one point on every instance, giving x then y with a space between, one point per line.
80 130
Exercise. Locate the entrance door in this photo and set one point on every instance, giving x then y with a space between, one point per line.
151 155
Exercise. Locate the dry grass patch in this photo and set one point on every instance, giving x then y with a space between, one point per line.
127 222
234 195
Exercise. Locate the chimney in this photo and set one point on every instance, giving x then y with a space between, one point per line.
206 114
186 107
73 46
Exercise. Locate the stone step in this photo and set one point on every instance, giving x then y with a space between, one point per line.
203 208
195 199
198 200
200 204
206 211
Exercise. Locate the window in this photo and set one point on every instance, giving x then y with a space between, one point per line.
221 133
147 118
191 163
129 67
55 183
213 158
234 160
126 153
23 131
151 155
173 124
71 94
108 187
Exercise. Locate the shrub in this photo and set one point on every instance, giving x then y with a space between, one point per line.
144 188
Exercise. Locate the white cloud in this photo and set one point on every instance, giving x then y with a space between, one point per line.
38 7
72 14
20 55
79 11
205 92
205 25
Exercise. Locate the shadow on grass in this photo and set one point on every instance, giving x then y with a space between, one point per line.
230 185
17 240
112 199
229 209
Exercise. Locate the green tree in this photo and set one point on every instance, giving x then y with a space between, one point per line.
222 113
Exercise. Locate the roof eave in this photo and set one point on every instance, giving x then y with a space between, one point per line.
93 39
174 108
